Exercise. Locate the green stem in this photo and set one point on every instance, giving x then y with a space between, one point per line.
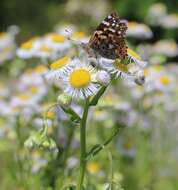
83 145
96 149
95 99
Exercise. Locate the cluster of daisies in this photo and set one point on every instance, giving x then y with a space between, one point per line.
158 16
83 77
7 44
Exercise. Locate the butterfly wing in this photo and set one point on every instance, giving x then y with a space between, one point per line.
109 38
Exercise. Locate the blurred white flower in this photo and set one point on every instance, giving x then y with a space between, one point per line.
166 47
138 30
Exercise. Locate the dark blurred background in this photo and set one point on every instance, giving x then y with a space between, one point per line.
36 17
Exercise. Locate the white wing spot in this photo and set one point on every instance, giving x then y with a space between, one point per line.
105 23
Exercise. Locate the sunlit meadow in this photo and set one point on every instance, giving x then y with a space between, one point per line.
74 119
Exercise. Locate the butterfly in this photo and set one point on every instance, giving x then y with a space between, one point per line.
108 40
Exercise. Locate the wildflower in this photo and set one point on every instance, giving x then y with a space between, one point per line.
140 31
7 45
80 81
156 13
57 42
125 71
165 83
28 48
103 77
79 36
43 51
93 167
64 99
135 58
166 47
170 21
60 67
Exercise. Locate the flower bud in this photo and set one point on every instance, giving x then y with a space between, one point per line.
140 78
64 99
40 140
103 77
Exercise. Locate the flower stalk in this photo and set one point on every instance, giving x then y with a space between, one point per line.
83 145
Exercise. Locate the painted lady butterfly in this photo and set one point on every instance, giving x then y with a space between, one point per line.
108 39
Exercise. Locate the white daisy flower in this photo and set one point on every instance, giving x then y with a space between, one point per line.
28 49
156 13
138 30
43 51
165 83
79 36
80 81
170 21
57 42
168 48
118 68
135 58
60 68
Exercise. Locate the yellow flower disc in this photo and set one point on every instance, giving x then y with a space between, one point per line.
24 97
59 63
2 34
79 78
41 69
146 72
121 66
50 115
27 45
57 38
33 89
158 67
93 167
45 48
165 80
78 35
132 24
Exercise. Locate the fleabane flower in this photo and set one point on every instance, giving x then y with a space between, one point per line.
79 36
43 51
57 42
28 49
131 68
80 81
165 83
60 67
138 30
133 57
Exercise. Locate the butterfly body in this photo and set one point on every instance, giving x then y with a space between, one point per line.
108 39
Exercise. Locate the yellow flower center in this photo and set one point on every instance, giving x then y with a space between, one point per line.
93 167
57 38
33 89
2 34
23 97
158 68
133 54
78 35
41 69
50 115
120 66
59 63
80 78
45 48
146 72
132 24
165 80
27 45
